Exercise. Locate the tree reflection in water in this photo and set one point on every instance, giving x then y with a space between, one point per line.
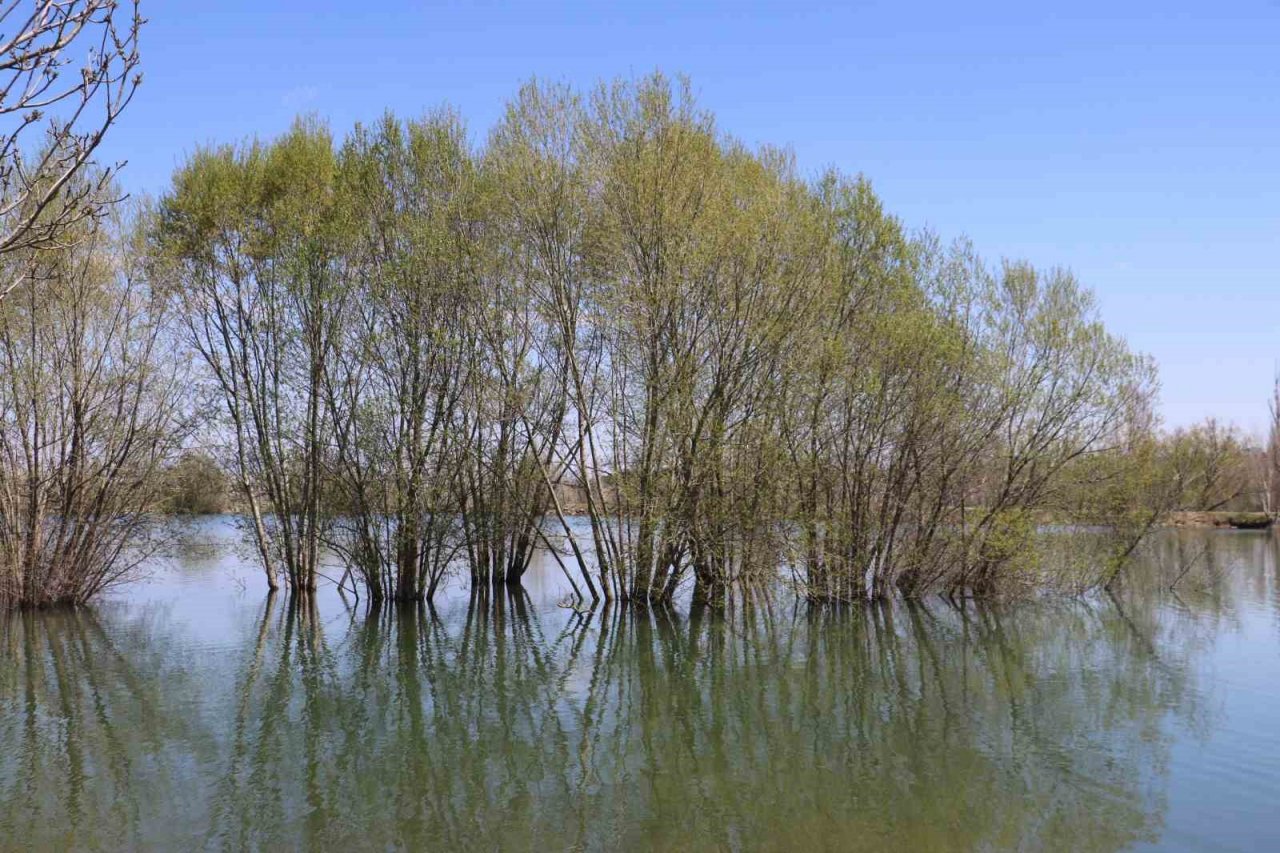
499 724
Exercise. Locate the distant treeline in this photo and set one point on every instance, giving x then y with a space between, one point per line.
410 351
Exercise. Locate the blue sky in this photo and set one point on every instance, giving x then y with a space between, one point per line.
1136 143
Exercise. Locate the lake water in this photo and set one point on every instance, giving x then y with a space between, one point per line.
189 711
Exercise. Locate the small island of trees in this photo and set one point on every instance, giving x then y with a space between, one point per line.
611 333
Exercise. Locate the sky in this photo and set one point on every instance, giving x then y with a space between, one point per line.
1137 144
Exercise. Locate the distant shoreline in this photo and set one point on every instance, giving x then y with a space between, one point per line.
1234 520
1221 519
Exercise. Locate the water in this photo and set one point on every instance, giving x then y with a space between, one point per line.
191 712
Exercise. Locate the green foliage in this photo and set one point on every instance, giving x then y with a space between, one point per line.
734 367
196 485
1215 468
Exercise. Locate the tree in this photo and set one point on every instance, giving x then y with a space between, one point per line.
91 413
537 204
196 485
1213 464
248 240
39 200
401 372
1270 478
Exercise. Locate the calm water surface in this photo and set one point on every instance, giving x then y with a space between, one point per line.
189 711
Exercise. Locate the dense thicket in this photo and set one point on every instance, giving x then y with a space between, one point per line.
616 331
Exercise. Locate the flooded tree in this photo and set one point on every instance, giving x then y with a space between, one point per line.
247 243
92 411
398 384
432 357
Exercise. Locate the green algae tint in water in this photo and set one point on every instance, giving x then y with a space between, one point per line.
191 712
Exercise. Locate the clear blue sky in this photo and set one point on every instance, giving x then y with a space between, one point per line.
1137 143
